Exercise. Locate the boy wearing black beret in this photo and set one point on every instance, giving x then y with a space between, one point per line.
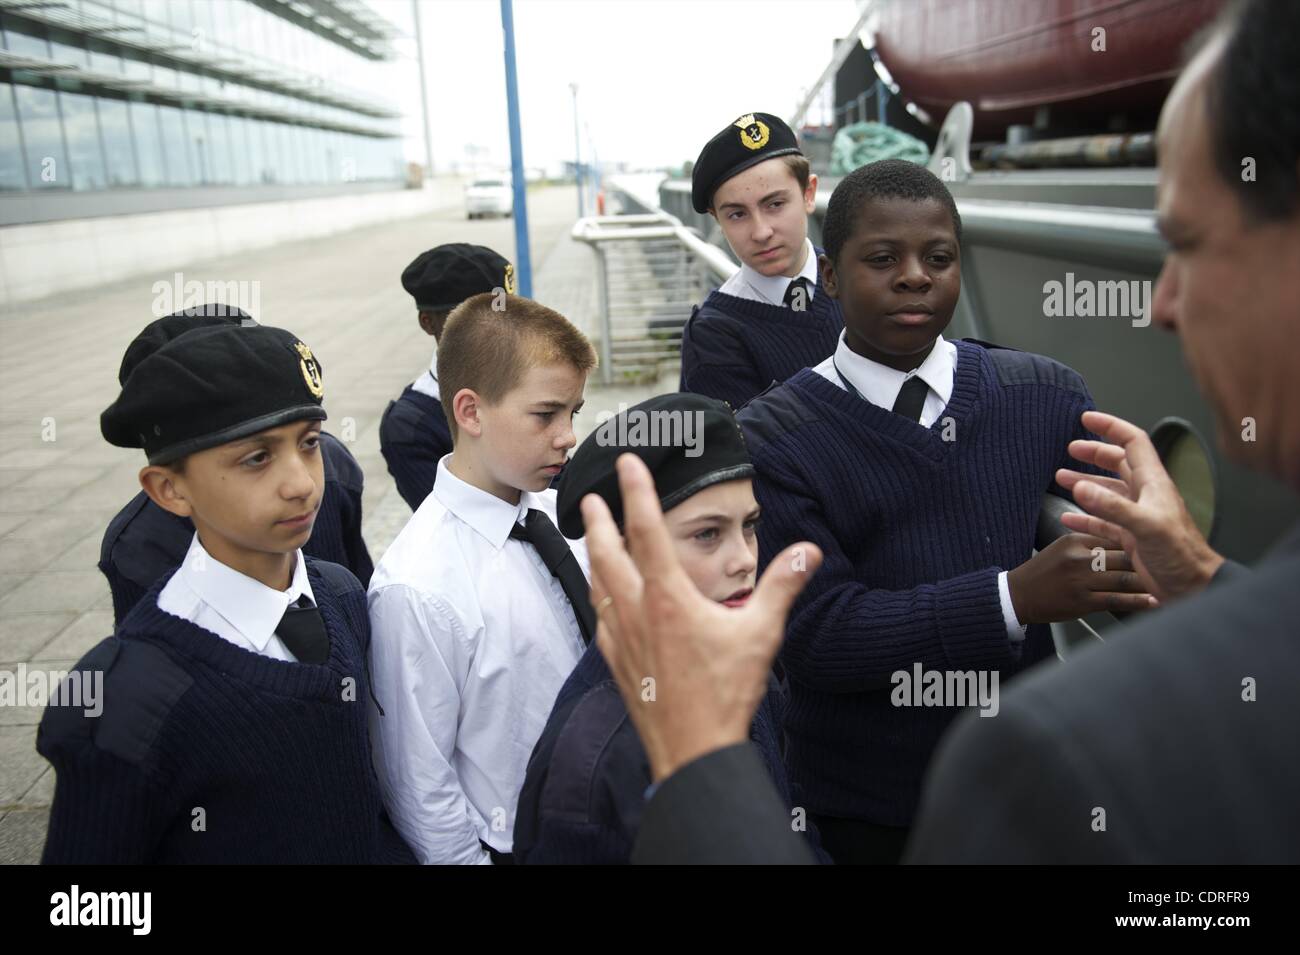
143 541
772 317
233 725
585 790
413 432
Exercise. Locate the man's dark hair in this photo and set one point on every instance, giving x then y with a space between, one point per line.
1253 101
885 179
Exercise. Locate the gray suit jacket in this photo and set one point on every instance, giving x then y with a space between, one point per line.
1149 749
722 809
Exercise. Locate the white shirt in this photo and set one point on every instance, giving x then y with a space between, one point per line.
427 384
880 385
471 639
232 605
756 287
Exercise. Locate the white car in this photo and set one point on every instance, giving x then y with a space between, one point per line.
489 197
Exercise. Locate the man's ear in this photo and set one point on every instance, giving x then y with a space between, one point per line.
827 268
427 323
467 405
810 194
161 484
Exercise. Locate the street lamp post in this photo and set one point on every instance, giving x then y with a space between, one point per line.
577 151
523 259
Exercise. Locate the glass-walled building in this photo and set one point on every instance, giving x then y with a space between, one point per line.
118 106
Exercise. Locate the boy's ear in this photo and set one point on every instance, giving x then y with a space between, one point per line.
827 268
160 484
810 194
426 322
467 405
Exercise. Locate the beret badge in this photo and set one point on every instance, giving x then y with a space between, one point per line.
311 371
754 133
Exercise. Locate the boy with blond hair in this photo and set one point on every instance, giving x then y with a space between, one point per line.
480 607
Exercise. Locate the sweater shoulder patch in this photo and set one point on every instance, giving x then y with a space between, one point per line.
140 684
593 733
772 415
338 578
1016 367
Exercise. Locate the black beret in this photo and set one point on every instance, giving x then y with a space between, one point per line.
160 331
684 458
443 277
750 140
211 386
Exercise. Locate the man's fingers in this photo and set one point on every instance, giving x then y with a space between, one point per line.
785 578
610 562
1100 454
1116 581
643 520
1118 560
1068 479
1109 506
1138 449
1094 526
1125 603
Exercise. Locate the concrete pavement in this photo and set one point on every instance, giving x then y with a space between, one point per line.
60 483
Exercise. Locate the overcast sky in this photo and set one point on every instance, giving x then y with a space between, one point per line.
656 78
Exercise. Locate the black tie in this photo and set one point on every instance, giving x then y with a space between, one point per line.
554 550
303 632
799 283
911 398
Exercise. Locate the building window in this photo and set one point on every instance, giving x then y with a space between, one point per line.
176 146
81 129
148 143
22 43
47 163
12 164
119 153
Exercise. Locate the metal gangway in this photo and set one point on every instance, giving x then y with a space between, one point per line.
651 270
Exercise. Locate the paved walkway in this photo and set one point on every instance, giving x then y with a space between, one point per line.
60 483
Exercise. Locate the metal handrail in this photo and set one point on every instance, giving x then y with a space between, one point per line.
599 231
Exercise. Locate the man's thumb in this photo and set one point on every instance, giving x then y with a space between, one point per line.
785 578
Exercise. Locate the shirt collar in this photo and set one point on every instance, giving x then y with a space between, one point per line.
880 384
772 287
486 513
248 605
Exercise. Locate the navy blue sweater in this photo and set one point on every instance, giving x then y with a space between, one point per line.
734 348
414 436
275 754
915 530
585 788
144 542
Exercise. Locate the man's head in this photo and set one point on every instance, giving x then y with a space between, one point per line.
229 417
893 260
512 373
1228 202
754 181
702 473
444 276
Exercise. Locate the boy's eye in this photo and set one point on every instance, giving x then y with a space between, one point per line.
311 442
256 460
545 415
942 258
